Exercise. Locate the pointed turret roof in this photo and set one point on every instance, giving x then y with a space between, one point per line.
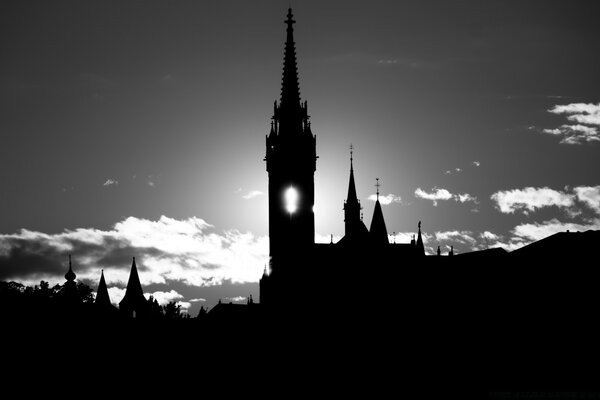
378 231
352 197
102 297
134 293
290 89
420 246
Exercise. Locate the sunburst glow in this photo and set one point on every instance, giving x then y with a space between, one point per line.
291 200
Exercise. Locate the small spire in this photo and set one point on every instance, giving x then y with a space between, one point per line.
331 239
377 185
70 275
351 154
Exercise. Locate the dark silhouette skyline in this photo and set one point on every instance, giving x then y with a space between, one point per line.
512 317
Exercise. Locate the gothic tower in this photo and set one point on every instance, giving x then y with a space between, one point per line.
291 164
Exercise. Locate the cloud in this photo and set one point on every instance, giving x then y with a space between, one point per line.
187 251
386 199
590 195
531 232
252 194
116 294
110 182
435 195
476 163
465 197
236 299
199 300
438 194
581 115
487 235
164 297
530 199
579 112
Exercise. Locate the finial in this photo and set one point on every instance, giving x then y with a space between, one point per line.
331 239
419 225
377 185
394 237
289 21
69 261
351 153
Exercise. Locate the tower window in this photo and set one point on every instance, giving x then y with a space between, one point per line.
291 200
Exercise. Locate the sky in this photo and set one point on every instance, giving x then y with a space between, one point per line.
138 129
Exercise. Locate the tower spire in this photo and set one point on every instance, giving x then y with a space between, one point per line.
420 246
290 89
352 197
378 230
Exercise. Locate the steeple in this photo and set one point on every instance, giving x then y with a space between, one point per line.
134 303
70 275
354 227
351 186
290 89
378 230
420 246
102 297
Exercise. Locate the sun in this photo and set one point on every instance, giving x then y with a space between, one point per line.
291 200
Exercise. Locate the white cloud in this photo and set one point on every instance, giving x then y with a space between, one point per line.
581 115
110 182
199 300
386 199
435 195
237 299
579 112
531 198
464 237
164 297
116 294
487 235
590 195
252 194
465 197
187 251
536 231
476 163
438 194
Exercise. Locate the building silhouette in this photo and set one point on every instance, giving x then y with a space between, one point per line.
291 164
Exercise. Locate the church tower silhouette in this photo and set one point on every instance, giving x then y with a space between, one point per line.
291 164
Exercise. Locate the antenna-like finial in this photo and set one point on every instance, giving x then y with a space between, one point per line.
351 153
377 185
419 225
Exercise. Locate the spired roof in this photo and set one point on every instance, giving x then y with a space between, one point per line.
102 297
134 293
290 89
352 197
378 230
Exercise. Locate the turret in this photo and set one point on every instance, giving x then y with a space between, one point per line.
378 231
